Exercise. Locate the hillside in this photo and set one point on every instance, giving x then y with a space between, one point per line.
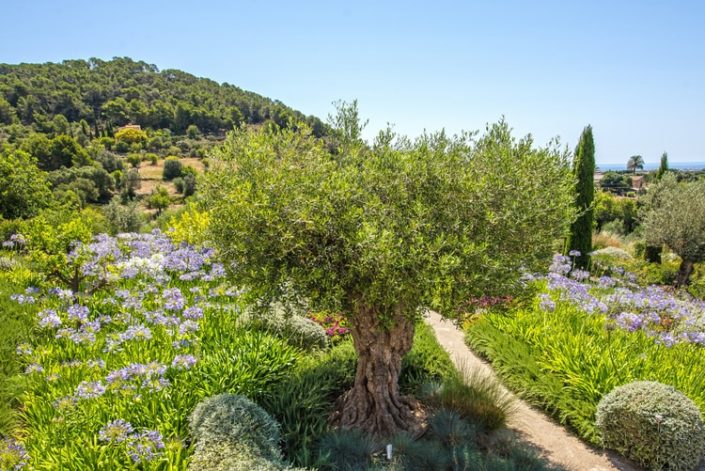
80 133
108 94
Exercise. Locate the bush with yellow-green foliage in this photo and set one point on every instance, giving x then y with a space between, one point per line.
190 226
131 136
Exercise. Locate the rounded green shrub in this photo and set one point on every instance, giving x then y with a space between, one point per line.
172 168
286 323
229 429
652 424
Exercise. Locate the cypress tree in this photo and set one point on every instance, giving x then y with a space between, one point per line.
652 254
663 167
580 238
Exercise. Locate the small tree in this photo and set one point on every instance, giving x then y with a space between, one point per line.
381 234
134 160
580 239
677 219
635 162
615 182
192 132
123 218
159 199
172 168
132 183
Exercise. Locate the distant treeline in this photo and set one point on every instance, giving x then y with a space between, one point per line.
108 94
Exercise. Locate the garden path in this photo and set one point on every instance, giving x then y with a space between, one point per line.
553 441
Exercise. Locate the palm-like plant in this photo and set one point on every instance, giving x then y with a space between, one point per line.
635 162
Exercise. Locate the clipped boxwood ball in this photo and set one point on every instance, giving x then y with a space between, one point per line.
228 418
652 424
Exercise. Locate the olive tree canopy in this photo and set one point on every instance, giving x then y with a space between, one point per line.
676 218
382 232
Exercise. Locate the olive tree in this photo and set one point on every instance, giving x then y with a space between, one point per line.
676 218
383 233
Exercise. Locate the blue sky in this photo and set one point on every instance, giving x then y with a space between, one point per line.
635 70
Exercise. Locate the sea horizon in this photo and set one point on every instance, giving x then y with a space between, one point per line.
700 165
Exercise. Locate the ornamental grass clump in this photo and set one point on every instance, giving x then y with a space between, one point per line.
475 397
652 424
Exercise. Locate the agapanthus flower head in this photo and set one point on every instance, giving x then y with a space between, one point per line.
90 389
65 403
78 313
560 265
34 368
580 275
97 363
629 321
667 339
15 241
146 446
183 362
173 299
49 318
24 349
22 299
13 455
116 431
136 332
188 326
574 253
546 303
193 312
607 282
83 337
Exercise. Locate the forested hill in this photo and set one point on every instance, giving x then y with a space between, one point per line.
108 94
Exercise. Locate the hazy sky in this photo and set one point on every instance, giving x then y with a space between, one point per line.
635 70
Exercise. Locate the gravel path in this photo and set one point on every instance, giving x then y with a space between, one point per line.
555 442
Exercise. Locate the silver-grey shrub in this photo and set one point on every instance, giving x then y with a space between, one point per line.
653 424
288 323
233 433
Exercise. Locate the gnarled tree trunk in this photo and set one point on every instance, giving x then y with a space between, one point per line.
684 272
374 403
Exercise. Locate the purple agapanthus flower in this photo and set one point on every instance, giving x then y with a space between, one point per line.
146 446
90 389
34 368
13 455
183 362
78 313
188 326
116 431
49 318
193 313
546 303
173 299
